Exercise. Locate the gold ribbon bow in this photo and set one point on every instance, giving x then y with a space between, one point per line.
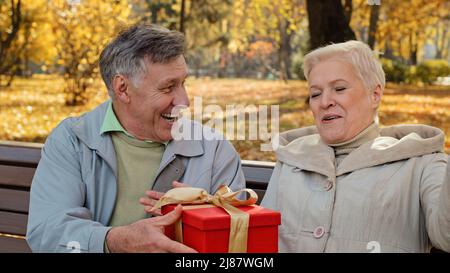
224 198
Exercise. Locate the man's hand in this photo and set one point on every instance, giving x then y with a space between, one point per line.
146 236
153 196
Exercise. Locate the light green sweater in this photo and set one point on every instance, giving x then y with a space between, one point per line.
137 165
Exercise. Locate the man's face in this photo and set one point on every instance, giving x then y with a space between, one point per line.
156 94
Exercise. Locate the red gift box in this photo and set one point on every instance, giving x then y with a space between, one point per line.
207 230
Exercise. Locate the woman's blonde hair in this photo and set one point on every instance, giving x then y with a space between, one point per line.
358 54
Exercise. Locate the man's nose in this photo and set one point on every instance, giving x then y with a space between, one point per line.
181 97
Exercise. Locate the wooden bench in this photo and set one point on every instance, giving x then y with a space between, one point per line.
18 162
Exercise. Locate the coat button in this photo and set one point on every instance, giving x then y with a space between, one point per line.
329 185
319 232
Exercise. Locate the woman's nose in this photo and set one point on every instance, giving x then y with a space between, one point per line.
327 100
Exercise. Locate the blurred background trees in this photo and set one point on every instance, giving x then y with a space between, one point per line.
11 24
81 30
263 39
24 44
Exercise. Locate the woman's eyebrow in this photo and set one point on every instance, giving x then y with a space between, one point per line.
338 80
331 82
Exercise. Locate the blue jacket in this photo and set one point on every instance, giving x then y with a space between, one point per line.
74 188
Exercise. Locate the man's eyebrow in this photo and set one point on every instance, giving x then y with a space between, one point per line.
171 80
166 81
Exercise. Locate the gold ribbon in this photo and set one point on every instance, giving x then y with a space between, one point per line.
224 198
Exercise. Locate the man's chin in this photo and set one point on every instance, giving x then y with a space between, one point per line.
165 136
165 139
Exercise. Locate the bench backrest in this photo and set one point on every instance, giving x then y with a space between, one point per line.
18 162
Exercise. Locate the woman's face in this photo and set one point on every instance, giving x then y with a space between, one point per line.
341 104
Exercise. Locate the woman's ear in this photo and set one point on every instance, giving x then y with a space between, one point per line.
120 85
376 96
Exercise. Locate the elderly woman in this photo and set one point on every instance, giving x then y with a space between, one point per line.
345 185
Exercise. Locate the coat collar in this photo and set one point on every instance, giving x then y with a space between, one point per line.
395 143
304 149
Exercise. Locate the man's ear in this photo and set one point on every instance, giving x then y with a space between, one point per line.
377 94
120 85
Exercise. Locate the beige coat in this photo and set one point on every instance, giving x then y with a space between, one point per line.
387 195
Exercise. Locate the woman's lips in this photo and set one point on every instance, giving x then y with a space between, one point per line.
330 118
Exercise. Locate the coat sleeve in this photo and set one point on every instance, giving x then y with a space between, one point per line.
435 200
270 199
227 168
58 220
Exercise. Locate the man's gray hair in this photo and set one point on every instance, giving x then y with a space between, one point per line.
134 48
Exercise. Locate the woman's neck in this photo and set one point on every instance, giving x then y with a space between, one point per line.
342 149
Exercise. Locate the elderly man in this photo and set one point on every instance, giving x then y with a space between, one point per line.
88 190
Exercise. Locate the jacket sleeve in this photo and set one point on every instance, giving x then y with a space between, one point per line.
58 220
270 199
227 168
435 200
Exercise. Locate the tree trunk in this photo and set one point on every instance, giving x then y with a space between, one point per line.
328 23
182 16
284 51
373 24
441 39
75 90
348 10
16 18
413 48
388 51
154 13
9 59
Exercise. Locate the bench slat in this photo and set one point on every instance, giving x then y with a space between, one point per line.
13 245
260 194
20 155
13 223
257 174
16 176
14 200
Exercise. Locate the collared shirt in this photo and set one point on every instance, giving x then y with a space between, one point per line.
112 124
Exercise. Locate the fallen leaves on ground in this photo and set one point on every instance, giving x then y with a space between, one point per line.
32 107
